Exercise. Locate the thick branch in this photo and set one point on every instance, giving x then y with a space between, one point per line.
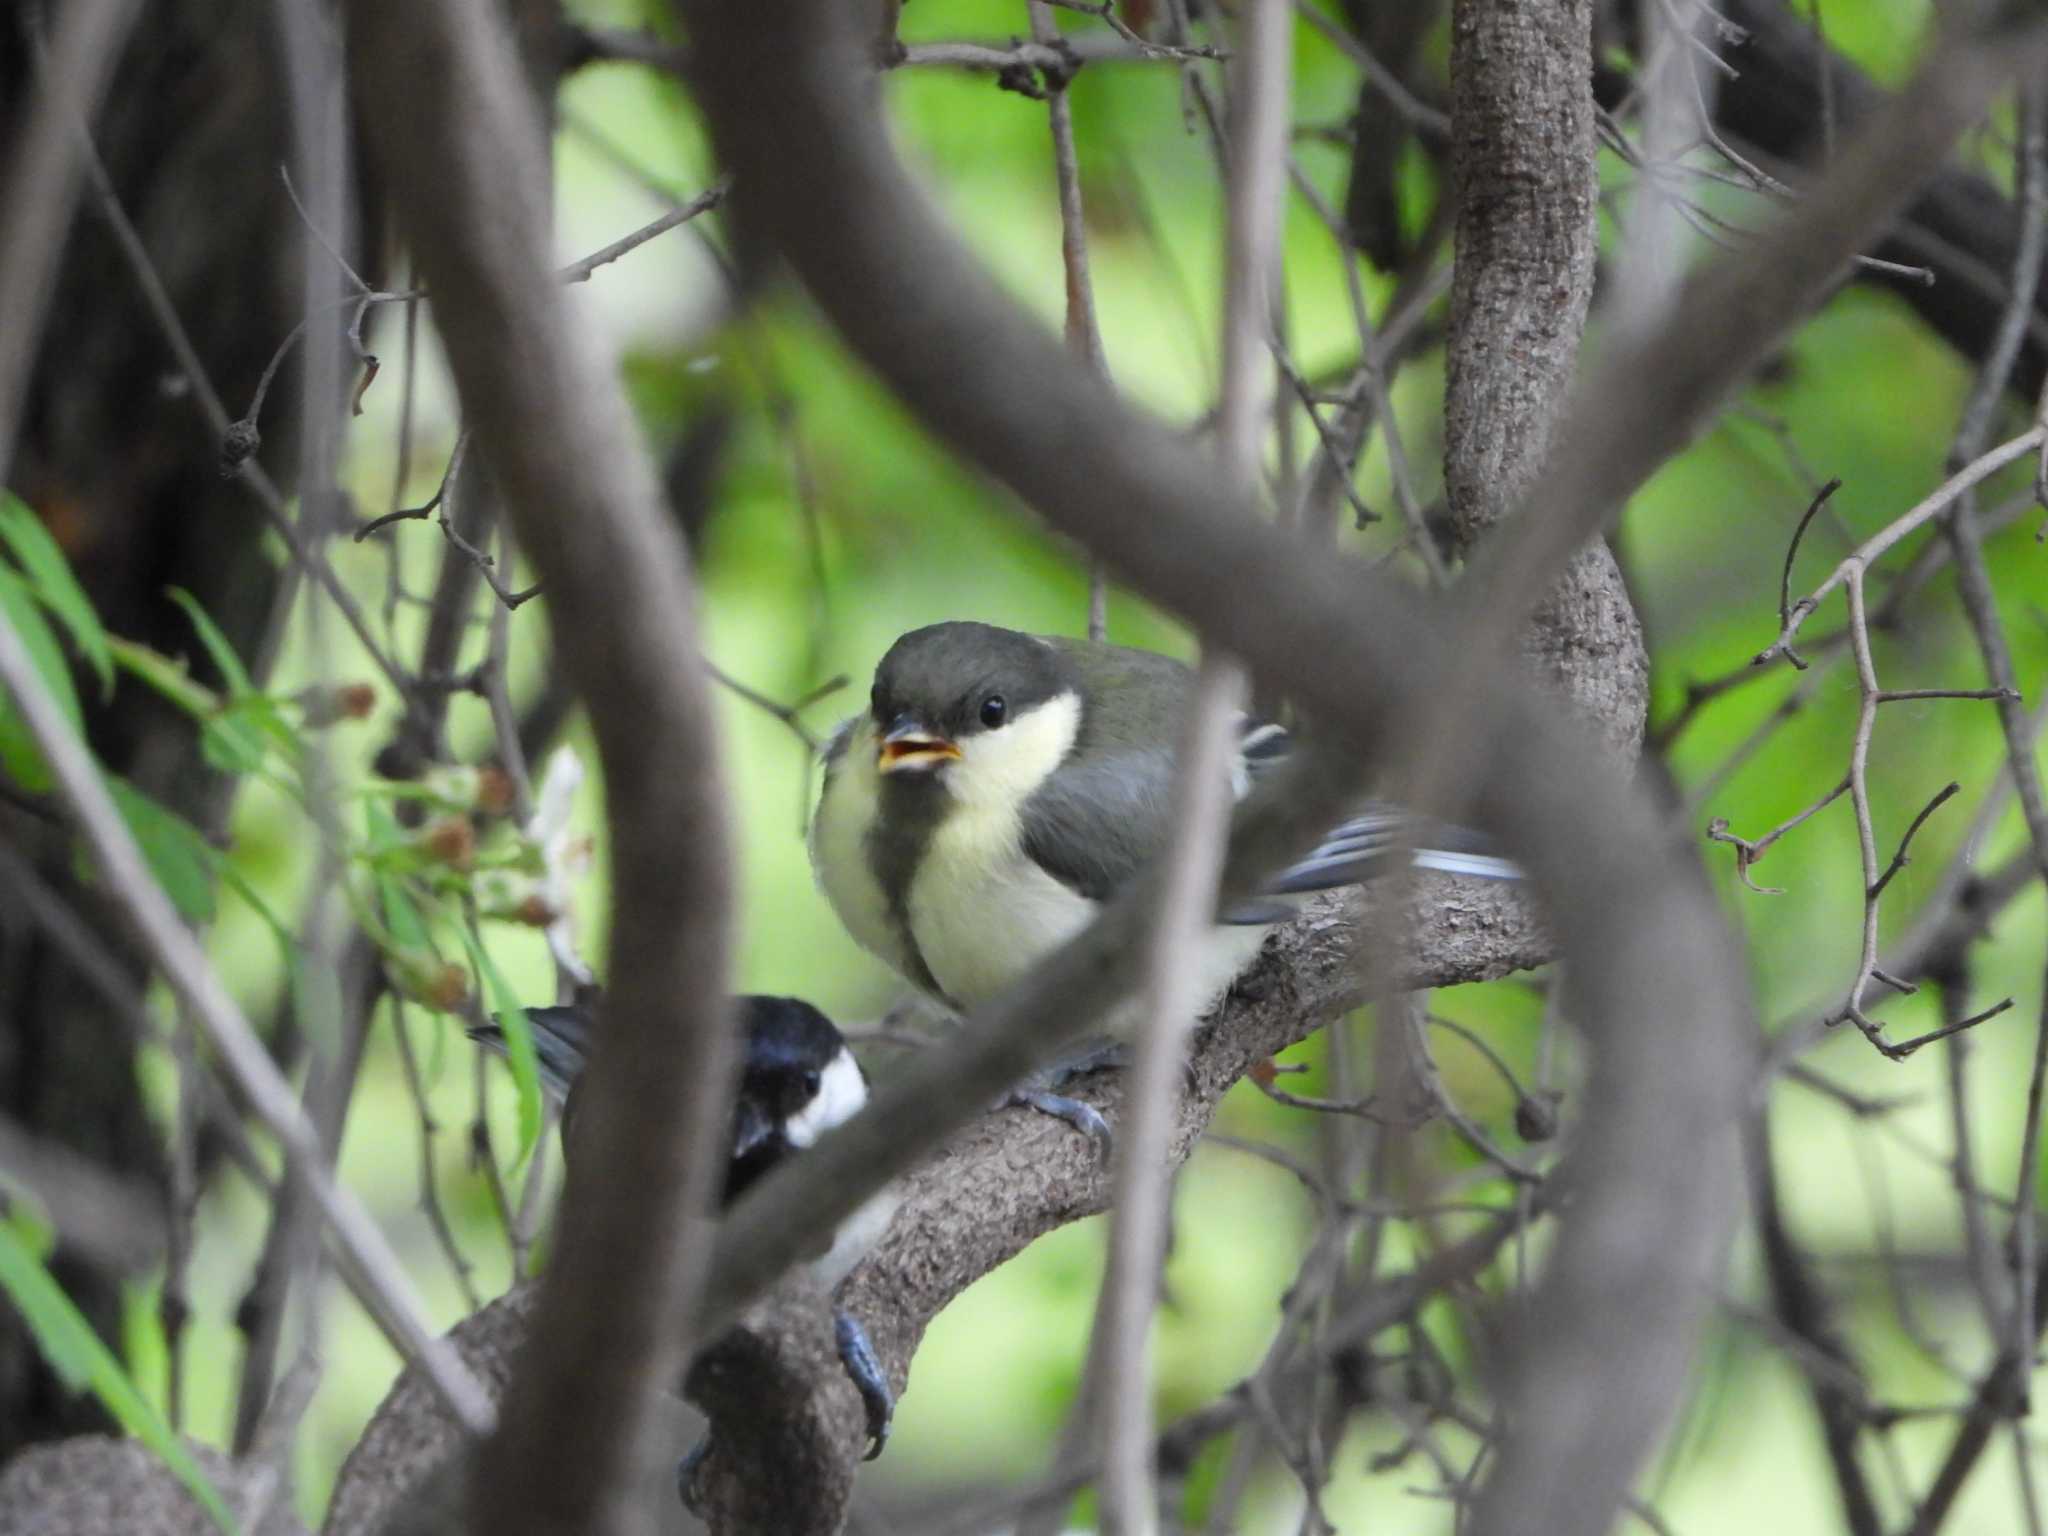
969 1209
467 165
95 1485
1523 173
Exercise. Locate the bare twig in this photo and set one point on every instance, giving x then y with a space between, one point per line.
1193 861
1747 853
1820 499
703 202
429 1176
1859 561
1084 334
305 554
1428 122
1899 860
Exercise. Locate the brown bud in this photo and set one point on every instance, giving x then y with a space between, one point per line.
450 840
513 898
494 790
346 701
1536 1117
429 980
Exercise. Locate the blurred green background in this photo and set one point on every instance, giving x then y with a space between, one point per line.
903 536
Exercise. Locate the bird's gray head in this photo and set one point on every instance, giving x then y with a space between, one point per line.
950 692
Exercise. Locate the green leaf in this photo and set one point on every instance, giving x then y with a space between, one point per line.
166 677
231 744
32 1225
49 576
216 643
518 1041
401 917
182 861
19 755
76 1354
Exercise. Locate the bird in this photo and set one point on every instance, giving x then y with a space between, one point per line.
1002 786
798 1080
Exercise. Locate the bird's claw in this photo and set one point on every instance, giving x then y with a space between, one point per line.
1084 1118
686 1473
864 1370
1040 1090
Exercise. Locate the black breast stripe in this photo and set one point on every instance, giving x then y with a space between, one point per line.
896 845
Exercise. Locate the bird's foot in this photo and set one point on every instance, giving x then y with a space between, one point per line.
686 1474
1084 1118
864 1370
1040 1090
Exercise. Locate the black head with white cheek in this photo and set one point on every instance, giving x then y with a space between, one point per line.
798 1081
944 691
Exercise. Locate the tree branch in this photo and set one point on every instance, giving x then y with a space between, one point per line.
466 163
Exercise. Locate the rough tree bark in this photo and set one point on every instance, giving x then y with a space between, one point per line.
1525 180
119 466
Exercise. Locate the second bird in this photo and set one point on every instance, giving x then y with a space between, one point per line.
1002 786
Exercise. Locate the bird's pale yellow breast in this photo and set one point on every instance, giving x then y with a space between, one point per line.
839 855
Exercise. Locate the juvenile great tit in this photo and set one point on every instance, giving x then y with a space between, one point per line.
797 1081
1001 786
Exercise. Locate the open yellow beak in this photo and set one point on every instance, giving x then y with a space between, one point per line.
910 746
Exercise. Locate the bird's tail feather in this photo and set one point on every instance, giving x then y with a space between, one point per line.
561 1042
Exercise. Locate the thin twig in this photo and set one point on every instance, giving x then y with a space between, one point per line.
1899 859
1084 332
305 554
1747 853
1921 513
1820 499
1193 860
429 1177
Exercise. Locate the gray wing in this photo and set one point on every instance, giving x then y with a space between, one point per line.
561 1041
1358 849
1094 824
1098 821
835 744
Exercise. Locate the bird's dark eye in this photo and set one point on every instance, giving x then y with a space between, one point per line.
811 1081
994 711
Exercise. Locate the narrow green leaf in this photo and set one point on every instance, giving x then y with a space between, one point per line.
182 861
19 754
166 677
518 1040
76 1354
216 643
231 744
401 917
24 1208
49 576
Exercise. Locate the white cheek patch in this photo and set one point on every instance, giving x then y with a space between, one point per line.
999 769
841 1093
